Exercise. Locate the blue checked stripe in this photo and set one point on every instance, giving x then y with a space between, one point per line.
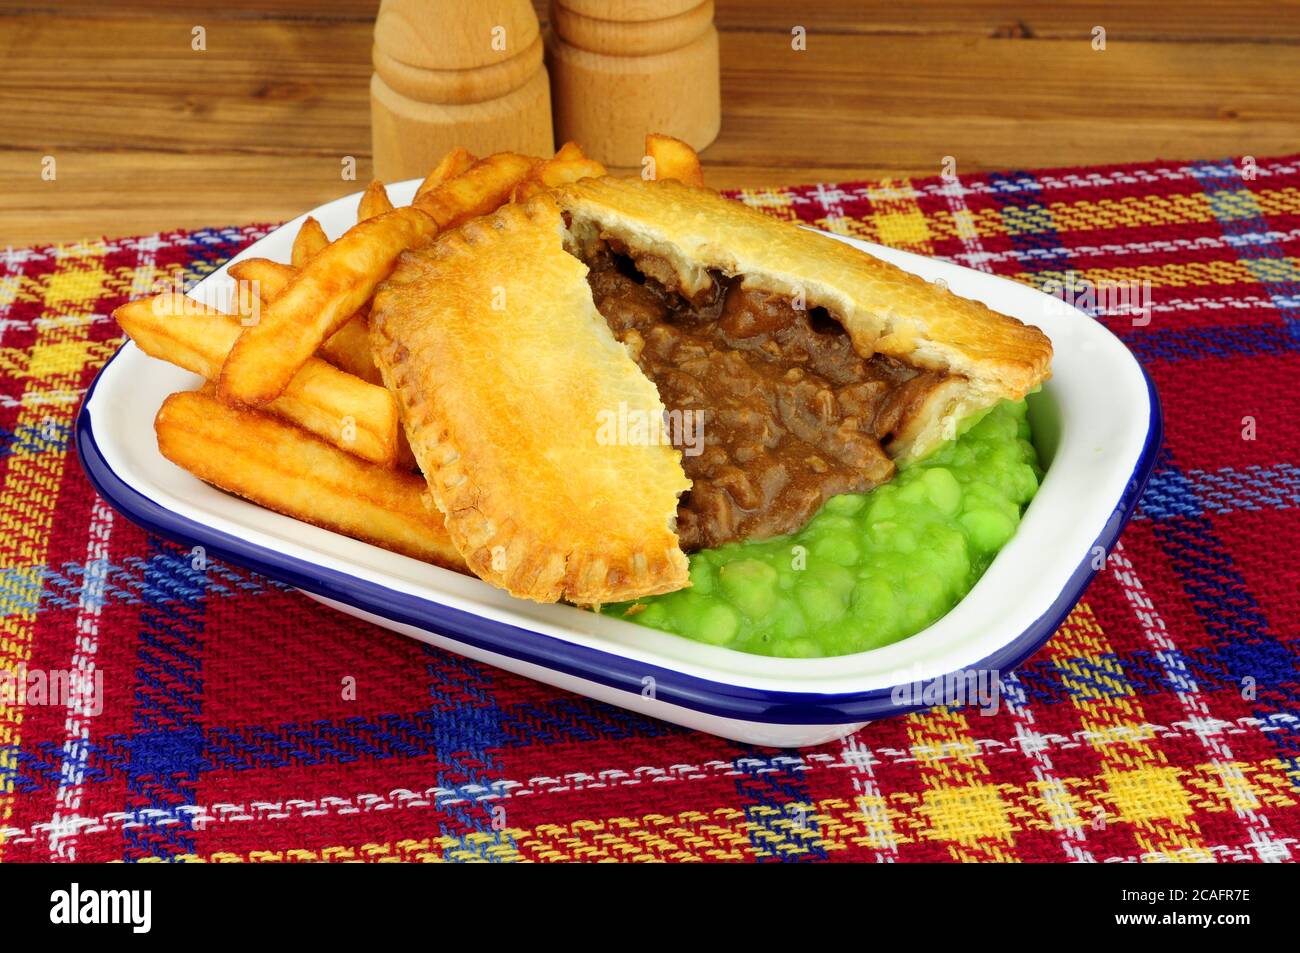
769 788
464 757
52 437
1244 643
1237 212
161 579
144 756
1172 492
1190 344
1028 221
166 752
1205 668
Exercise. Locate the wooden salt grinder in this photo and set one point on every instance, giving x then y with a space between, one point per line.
622 68
449 73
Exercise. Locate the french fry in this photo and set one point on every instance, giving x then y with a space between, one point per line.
374 201
288 470
570 150
267 278
568 165
309 240
317 301
353 415
479 190
453 164
348 348
674 159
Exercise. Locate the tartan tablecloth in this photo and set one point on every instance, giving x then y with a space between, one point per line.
1159 723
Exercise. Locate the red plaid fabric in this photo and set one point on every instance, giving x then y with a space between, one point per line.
1160 722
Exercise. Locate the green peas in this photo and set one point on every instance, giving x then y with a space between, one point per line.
943 490
988 529
787 621
898 537
846 504
869 568
925 591
825 523
913 491
819 602
874 599
718 624
841 550
798 648
1024 483
836 578
882 504
750 585
654 615
701 576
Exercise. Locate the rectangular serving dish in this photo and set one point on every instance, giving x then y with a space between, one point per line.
1097 424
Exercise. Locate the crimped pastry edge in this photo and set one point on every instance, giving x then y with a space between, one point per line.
497 546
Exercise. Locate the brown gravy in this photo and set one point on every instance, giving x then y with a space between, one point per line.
792 415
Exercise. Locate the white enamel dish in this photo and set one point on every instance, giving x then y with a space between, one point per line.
1097 423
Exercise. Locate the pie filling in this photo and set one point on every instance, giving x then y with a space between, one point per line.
789 413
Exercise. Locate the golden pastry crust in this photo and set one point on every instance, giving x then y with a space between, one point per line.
503 370
885 309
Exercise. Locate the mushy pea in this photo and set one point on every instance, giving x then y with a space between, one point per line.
869 568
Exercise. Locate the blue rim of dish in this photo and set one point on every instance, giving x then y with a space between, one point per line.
595 665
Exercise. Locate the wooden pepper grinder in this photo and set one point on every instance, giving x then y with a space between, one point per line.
449 73
622 68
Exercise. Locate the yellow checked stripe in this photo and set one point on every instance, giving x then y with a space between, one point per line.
1177 274
896 219
852 227
1135 784
31 479
1277 201
776 203
831 825
959 806
1143 211
18 362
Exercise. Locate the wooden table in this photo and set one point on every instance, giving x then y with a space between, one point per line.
148 134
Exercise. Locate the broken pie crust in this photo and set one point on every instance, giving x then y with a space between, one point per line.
503 369
886 310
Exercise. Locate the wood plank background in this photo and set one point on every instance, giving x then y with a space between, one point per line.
149 134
